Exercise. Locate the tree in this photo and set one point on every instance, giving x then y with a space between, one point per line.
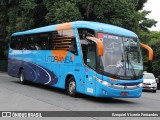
63 11
153 40
139 4
124 13
145 22
19 15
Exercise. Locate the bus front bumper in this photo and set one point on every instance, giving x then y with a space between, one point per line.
115 92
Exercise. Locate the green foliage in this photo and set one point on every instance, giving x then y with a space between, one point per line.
63 11
124 13
26 14
153 40
146 22
3 23
19 15
139 4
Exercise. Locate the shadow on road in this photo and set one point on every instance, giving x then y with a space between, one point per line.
45 87
148 91
81 96
106 100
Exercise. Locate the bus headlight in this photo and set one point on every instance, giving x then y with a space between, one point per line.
102 81
140 85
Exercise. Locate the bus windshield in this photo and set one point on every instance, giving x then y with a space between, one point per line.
122 57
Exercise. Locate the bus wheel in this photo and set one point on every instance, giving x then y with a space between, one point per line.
21 77
71 87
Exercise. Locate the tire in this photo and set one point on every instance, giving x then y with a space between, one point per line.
21 77
71 87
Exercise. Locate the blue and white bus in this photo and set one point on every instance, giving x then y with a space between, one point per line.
85 57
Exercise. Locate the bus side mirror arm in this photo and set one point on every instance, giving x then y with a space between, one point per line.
149 49
99 45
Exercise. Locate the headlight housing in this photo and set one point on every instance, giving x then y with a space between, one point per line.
154 83
140 85
122 87
103 82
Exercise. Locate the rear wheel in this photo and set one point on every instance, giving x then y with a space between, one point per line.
71 87
21 77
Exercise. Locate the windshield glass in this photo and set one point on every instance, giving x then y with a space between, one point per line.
122 57
148 76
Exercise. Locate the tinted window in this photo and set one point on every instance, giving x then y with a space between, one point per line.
16 43
83 32
13 43
31 42
91 56
57 40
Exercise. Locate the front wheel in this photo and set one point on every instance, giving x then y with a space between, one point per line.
21 77
71 87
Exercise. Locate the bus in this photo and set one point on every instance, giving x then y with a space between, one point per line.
91 58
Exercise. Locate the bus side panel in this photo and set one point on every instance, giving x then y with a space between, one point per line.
36 68
33 63
51 66
78 74
13 67
17 60
13 63
71 65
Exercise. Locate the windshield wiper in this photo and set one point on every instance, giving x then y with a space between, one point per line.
129 63
119 67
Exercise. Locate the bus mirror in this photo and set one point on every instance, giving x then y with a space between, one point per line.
99 45
149 49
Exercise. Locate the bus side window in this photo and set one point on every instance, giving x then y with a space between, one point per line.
16 43
24 43
49 42
73 47
19 43
83 32
91 55
42 41
84 51
38 45
64 40
13 43
31 43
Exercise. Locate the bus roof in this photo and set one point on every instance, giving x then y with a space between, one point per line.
102 27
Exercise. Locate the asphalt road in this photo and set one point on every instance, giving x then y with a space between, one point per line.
33 97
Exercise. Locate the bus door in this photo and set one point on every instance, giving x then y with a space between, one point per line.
89 56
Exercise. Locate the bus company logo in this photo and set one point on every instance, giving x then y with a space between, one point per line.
60 56
6 114
125 87
67 59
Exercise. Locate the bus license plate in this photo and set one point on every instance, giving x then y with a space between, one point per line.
124 93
